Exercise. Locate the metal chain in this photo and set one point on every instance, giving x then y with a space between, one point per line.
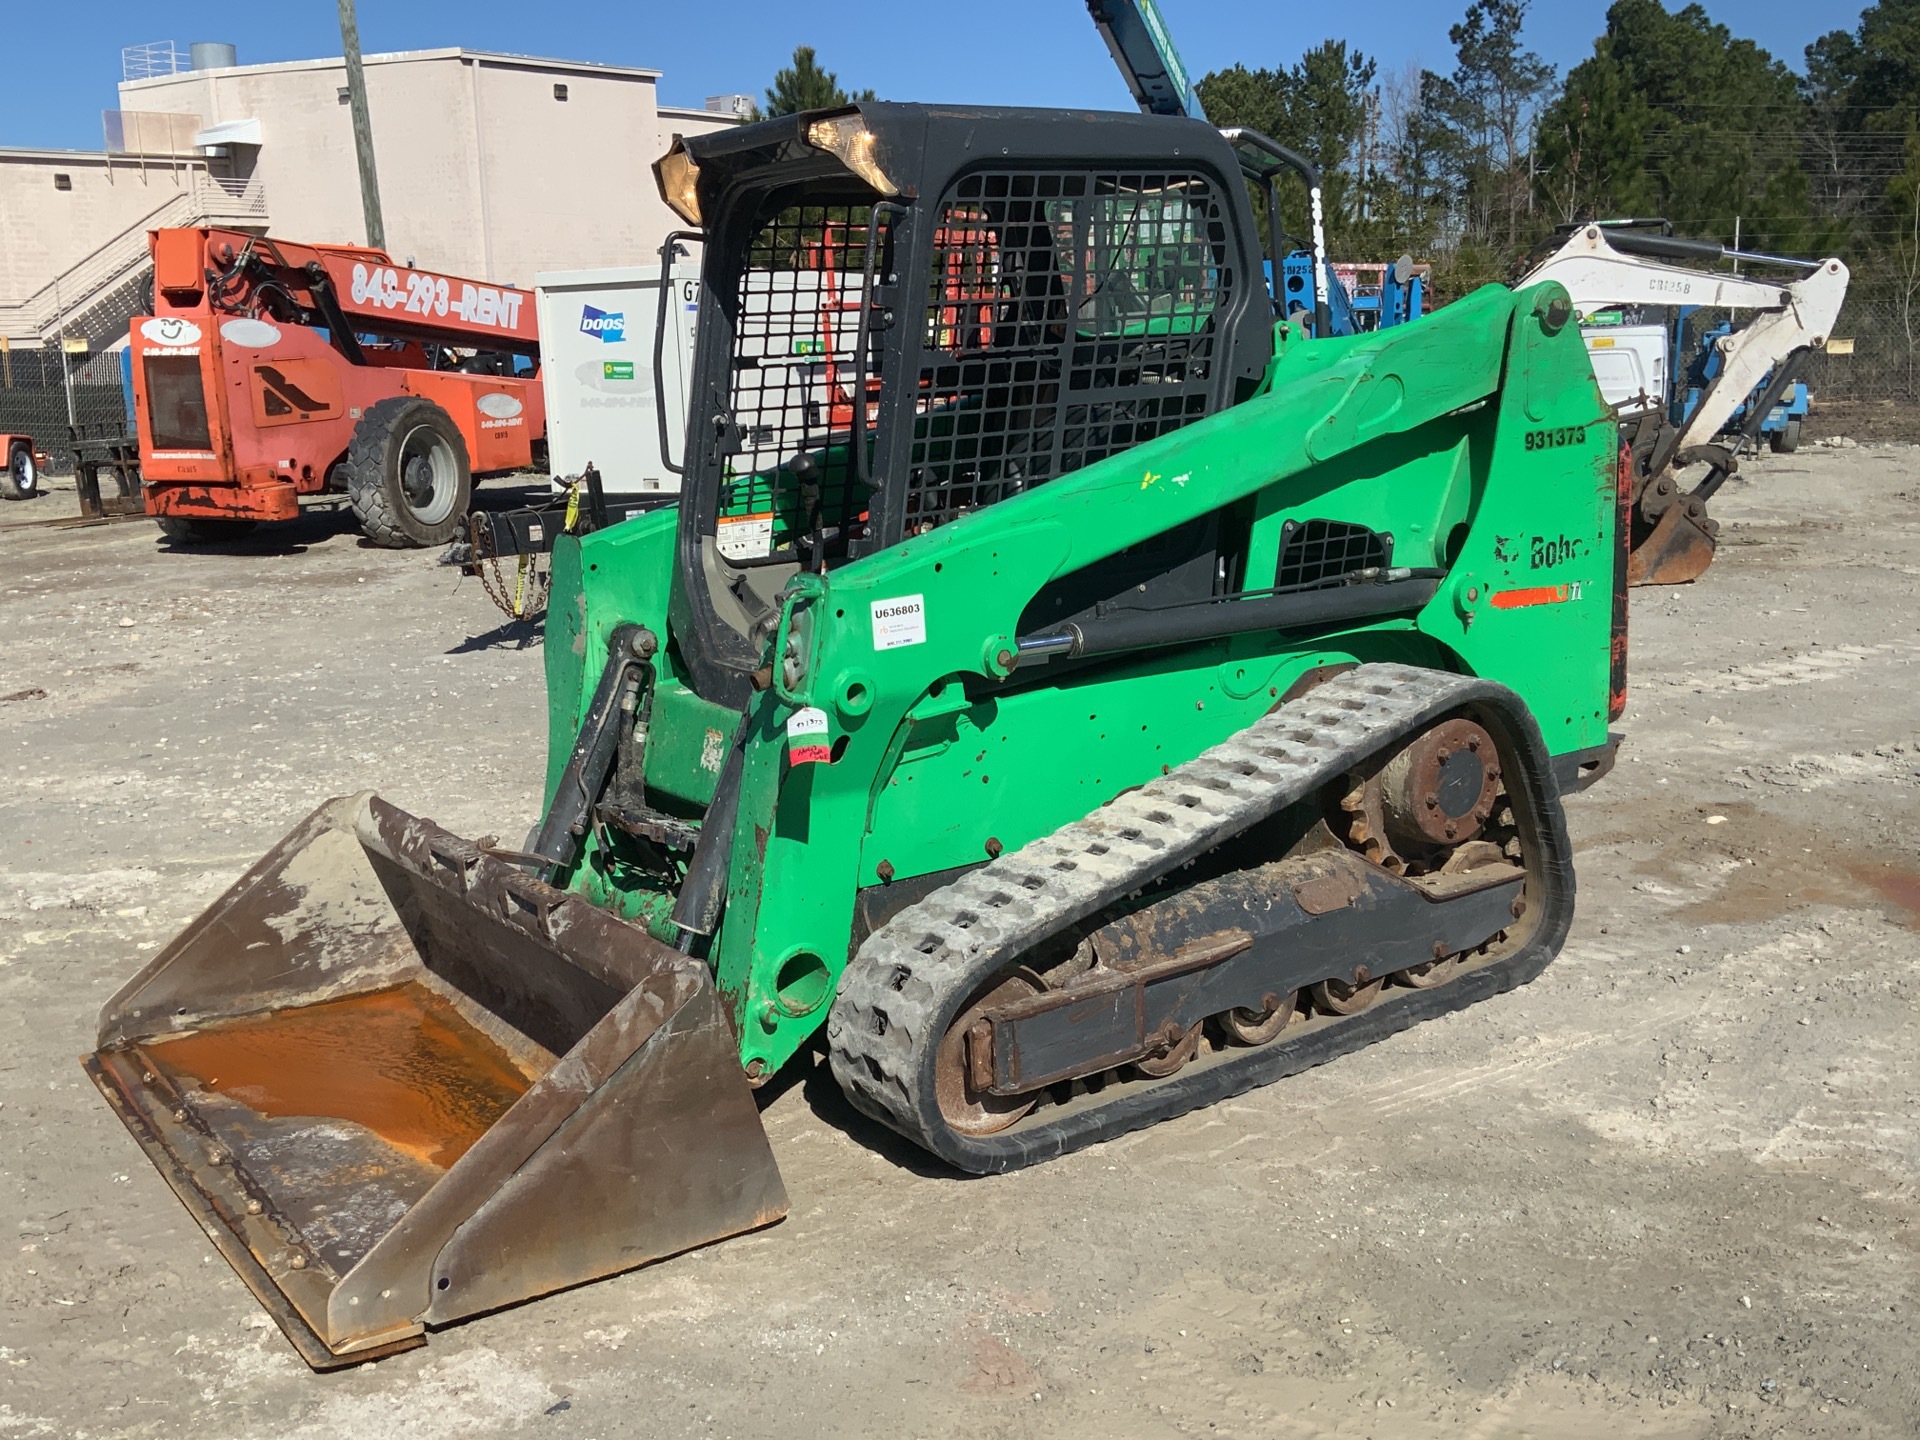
531 584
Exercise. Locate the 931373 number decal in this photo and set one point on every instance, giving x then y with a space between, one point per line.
1555 439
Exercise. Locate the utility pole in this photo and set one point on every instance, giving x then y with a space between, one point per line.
66 365
1533 148
362 126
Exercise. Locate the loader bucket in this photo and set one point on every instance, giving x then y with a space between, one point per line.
399 1082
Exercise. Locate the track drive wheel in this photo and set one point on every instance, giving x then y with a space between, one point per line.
21 479
192 530
408 474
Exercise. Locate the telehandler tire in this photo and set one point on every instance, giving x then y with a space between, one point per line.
408 476
21 479
1785 442
192 530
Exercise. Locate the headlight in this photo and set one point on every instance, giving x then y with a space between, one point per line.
679 180
847 138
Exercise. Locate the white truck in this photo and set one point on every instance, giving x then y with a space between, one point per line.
1631 364
605 335
598 332
616 354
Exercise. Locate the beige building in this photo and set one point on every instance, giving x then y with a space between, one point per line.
491 166
73 228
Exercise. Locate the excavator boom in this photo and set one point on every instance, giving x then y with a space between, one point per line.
1138 39
1602 265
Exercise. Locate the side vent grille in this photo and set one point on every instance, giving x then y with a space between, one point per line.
1321 552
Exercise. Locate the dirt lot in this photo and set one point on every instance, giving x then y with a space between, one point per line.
1667 1190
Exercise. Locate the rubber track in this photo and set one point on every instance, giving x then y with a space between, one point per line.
912 976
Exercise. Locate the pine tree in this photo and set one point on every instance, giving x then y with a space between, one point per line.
1482 118
1592 150
803 85
1863 97
1321 108
1874 69
1713 124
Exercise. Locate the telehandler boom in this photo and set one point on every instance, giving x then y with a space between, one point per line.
1065 695
1304 280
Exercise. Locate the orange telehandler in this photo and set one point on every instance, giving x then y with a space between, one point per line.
270 370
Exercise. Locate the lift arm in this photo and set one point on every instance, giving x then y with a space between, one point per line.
1622 267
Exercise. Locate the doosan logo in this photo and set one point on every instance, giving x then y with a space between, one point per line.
598 322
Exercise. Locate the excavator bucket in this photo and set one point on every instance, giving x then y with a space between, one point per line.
1678 548
399 1082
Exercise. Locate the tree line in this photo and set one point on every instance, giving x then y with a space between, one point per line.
1672 115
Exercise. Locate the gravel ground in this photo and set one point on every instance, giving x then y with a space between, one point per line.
1667 1190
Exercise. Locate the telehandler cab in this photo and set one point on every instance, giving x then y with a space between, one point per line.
1064 695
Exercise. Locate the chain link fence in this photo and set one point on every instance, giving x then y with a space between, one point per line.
1866 385
42 391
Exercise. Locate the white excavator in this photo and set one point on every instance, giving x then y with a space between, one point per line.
1636 263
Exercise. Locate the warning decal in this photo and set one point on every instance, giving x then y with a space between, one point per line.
745 537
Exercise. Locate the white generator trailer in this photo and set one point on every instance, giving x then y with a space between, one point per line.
597 337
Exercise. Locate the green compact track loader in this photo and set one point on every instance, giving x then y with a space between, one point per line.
1064 696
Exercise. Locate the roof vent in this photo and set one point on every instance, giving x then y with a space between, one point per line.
212 55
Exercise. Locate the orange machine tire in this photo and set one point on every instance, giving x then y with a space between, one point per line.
20 480
408 474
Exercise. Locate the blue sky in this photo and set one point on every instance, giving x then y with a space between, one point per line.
1035 52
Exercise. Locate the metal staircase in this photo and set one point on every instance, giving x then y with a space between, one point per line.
92 299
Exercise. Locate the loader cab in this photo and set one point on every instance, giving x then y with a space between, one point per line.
910 313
